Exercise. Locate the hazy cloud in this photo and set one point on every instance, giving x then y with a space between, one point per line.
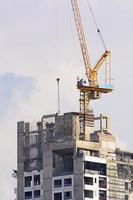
14 89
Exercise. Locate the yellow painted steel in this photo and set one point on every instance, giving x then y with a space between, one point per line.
92 91
91 72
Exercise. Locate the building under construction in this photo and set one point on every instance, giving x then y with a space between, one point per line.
66 156
54 163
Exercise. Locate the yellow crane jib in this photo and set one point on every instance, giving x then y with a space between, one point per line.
93 76
91 72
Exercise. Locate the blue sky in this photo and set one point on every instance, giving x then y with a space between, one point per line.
38 43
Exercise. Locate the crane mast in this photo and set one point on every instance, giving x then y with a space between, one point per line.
91 91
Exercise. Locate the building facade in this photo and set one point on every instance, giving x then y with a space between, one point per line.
55 163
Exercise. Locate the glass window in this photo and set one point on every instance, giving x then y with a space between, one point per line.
28 195
88 180
126 197
126 185
95 167
67 182
36 193
36 180
28 181
102 194
58 196
88 194
102 182
57 183
67 195
131 184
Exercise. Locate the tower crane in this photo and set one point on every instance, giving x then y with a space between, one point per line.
91 90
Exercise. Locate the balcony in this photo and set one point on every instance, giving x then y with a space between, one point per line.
93 172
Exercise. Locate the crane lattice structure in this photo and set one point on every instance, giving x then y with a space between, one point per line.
91 91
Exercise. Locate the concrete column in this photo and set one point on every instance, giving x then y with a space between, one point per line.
20 161
78 178
48 171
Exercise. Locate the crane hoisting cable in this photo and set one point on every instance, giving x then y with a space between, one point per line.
97 28
91 91
91 72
